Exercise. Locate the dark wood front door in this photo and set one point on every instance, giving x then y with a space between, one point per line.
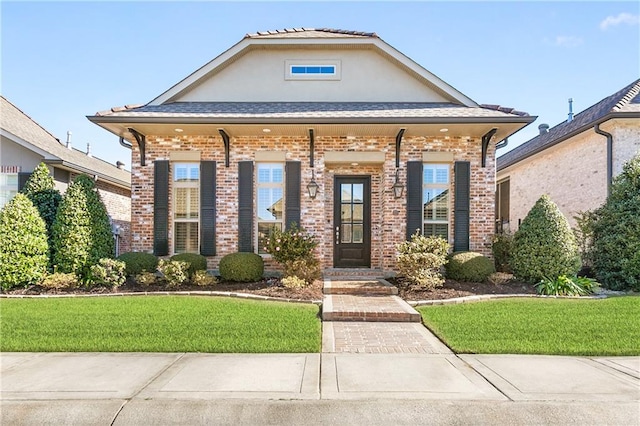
352 222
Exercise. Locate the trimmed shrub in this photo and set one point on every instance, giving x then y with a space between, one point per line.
469 266
139 262
203 278
24 252
109 272
566 286
40 189
197 262
293 282
585 221
421 259
175 272
81 232
501 250
544 246
241 267
499 278
616 232
60 280
146 278
307 269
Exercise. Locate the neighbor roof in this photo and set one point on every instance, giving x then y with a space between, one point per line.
624 103
20 127
309 33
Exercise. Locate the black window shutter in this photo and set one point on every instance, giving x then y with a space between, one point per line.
414 197
23 177
161 208
208 208
462 176
292 212
245 206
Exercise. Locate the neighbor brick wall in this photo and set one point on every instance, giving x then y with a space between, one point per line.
388 214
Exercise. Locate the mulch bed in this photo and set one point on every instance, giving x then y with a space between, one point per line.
272 287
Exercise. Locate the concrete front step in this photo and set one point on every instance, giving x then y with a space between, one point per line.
360 286
351 273
342 307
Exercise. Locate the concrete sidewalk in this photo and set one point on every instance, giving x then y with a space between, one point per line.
328 388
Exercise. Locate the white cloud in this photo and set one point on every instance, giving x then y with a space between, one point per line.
568 41
622 18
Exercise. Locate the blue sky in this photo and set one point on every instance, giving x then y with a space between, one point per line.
62 61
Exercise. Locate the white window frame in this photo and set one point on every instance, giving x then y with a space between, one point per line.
268 185
175 184
291 63
437 185
8 189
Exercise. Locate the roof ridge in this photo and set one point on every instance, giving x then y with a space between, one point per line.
306 29
32 120
631 92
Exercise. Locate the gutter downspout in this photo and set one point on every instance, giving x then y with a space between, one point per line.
609 137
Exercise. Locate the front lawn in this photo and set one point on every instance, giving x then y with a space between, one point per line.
158 324
539 326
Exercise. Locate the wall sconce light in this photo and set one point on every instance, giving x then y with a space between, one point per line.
312 187
398 188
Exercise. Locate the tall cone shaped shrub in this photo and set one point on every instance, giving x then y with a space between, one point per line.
23 244
616 233
40 189
544 245
81 232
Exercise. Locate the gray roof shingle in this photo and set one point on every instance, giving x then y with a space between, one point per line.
309 33
626 100
297 110
19 124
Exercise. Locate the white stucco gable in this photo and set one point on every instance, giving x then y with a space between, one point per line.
258 69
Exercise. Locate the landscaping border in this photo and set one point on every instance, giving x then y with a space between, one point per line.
486 297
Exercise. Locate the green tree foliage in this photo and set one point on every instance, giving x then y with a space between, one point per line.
41 191
81 232
616 232
544 246
23 244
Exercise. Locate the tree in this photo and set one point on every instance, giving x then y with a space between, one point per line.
544 245
23 244
81 231
616 232
42 193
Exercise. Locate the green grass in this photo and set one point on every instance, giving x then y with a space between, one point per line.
539 326
158 324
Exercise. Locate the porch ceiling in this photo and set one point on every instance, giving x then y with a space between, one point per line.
436 129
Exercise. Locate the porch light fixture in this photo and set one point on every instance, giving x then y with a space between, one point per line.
312 187
398 188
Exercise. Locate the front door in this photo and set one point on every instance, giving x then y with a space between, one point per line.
352 222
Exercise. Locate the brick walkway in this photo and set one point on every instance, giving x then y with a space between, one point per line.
363 319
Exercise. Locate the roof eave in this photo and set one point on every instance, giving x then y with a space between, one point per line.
76 168
610 116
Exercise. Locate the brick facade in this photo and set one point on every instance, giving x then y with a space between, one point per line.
388 215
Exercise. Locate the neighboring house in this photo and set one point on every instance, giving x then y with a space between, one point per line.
574 162
25 144
317 127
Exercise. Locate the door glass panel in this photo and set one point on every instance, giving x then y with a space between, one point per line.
346 213
358 212
345 192
358 192
358 234
345 235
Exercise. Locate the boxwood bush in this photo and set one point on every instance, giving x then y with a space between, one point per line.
469 266
197 262
24 252
138 262
421 259
544 247
241 267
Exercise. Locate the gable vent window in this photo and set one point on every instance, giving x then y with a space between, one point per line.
312 70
